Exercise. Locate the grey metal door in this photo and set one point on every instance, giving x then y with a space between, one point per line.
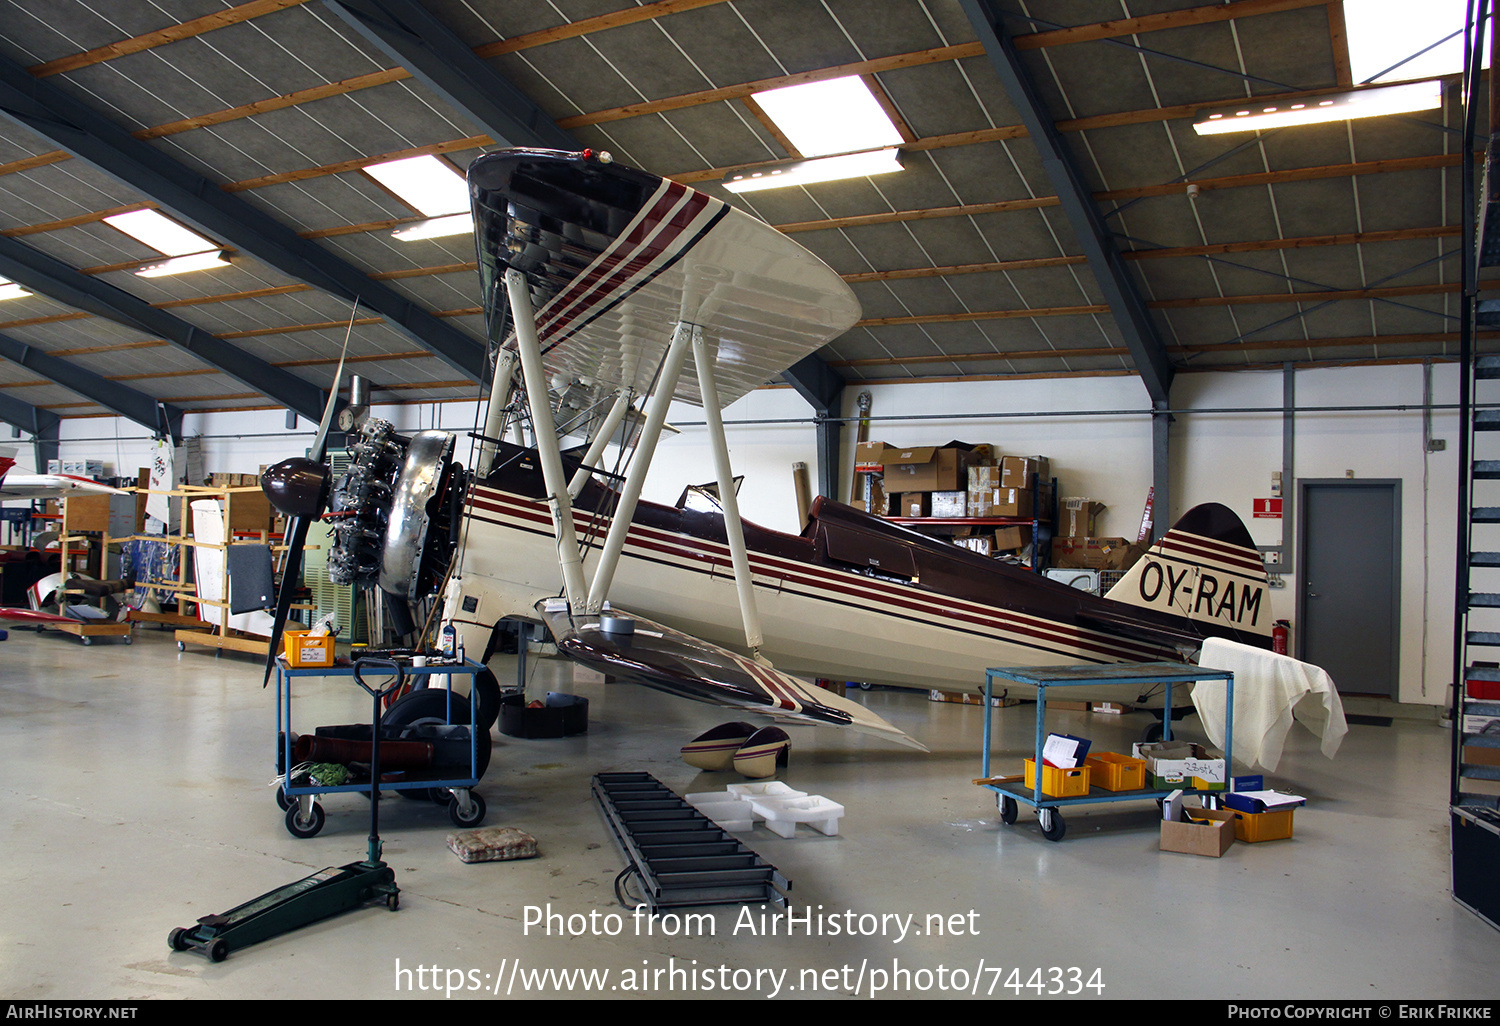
1350 555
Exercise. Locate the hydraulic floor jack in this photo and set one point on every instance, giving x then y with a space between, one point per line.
324 893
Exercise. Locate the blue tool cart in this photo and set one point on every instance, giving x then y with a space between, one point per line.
1011 792
432 712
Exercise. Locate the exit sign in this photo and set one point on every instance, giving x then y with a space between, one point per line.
1268 509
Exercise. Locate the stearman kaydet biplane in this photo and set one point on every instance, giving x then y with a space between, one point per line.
608 293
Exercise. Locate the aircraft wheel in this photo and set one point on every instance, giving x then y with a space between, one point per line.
1008 810
1053 826
304 828
428 706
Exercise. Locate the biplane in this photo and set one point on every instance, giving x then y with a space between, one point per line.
610 292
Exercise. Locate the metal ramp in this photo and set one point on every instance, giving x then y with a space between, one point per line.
680 856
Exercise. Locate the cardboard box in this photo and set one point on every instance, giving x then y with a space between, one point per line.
914 504
1476 755
867 456
983 476
927 468
982 544
1017 471
1210 835
1008 539
1182 764
949 504
1095 553
1076 517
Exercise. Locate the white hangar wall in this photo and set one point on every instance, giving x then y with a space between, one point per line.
1226 440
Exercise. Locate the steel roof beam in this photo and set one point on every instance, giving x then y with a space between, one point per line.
160 418
91 136
823 389
51 277
43 425
1129 311
426 47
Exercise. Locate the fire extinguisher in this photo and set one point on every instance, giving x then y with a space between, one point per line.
1281 633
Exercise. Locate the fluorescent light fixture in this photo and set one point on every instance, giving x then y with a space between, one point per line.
821 169
838 115
429 185
436 228
1248 116
186 262
159 232
10 290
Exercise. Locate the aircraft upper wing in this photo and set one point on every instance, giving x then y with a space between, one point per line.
680 664
616 257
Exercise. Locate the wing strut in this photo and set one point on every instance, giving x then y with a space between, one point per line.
568 556
734 530
601 438
630 492
494 422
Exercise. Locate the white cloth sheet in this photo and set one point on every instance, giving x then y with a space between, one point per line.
1270 691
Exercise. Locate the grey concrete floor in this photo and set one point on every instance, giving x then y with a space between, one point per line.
136 795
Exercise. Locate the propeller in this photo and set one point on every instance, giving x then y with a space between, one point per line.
299 487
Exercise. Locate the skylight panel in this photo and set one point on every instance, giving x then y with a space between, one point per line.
159 232
428 185
839 115
1403 40
10 290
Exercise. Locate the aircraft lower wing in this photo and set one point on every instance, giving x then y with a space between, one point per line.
658 657
50 486
16 614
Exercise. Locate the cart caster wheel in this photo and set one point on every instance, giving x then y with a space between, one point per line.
299 827
218 950
127 639
476 811
86 640
1008 810
182 646
177 939
282 801
1053 826
393 902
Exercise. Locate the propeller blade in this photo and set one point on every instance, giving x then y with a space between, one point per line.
320 441
291 573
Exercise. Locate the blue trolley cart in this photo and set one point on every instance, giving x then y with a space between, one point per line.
1010 793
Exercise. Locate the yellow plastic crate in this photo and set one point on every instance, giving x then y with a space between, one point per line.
303 649
1115 772
1262 826
1058 782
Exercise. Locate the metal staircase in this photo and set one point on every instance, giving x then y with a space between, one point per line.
1474 782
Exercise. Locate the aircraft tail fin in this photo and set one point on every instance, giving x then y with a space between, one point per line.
1205 570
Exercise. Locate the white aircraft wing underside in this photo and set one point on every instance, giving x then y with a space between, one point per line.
616 257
